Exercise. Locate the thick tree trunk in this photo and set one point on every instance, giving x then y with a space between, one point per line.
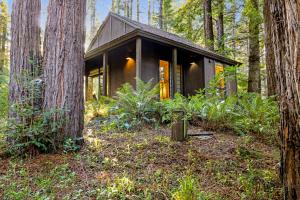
254 55
285 34
64 62
208 25
160 14
25 45
270 60
220 27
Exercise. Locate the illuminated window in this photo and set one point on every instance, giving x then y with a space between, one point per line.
219 71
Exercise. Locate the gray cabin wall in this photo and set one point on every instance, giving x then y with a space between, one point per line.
231 82
151 54
193 76
209 71
121 70
150 62
111 29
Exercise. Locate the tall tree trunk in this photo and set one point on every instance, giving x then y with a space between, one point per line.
149 12
160 14
254 53
138 10
64 62
220 27
208 25
270 60
233 32
92 13
285 34
3 33
25 45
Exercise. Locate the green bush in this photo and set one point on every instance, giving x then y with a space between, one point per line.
189 190
136 106
32 129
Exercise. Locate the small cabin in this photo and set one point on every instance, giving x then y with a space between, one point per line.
124 49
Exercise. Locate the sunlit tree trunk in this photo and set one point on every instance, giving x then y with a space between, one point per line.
254 55
208 25
64 62
270 60
25 46
285 34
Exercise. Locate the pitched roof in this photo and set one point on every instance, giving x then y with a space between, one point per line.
175 39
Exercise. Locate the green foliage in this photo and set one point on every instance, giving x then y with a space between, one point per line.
98 108
136 106
70 145
189 190
245 113
257 184
3 96
32 129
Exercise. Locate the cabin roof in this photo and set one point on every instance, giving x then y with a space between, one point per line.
153 33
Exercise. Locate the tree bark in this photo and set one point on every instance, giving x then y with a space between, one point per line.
220 27
64 62
160 14
254 53
285 35
270 59
208 25
3 34
25 45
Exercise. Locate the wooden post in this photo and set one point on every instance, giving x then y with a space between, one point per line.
179 127
173 72
138 58
105 93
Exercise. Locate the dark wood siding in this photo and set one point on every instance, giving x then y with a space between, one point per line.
193 76
121 70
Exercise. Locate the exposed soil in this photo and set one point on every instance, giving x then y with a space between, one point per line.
152 162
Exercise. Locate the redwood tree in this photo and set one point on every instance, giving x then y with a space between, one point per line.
270 60
25 45
208 25
64 62
285 35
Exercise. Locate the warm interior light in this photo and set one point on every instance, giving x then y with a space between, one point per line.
193 63
128 58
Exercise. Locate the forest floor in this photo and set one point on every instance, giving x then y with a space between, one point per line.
147 165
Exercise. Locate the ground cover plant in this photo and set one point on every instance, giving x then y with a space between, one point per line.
147 165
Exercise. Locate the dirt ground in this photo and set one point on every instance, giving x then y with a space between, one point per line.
146 165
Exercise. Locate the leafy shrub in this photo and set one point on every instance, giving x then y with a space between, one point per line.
257 184
32 129
189 190
136 106
98 108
